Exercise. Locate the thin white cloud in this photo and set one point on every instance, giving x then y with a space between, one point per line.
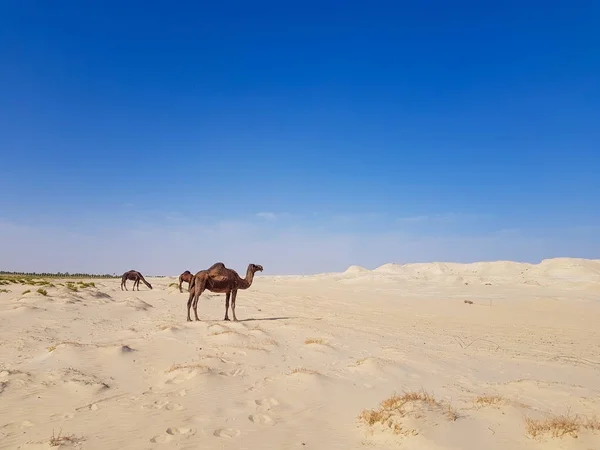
441 218
267 215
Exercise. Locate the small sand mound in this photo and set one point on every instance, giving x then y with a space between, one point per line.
356 270
389 268
138 304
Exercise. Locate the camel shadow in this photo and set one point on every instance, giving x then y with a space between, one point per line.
256 319
253 319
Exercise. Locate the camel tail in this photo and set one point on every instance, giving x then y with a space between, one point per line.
191 284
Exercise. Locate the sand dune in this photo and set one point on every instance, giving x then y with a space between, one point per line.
385 358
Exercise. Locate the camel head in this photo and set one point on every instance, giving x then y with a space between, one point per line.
256 267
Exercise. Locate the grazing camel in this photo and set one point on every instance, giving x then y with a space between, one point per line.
222 280
187 277
134 276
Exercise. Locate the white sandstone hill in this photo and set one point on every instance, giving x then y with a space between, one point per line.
566 271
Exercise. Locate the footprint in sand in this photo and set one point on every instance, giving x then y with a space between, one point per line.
228 433
266 403
232 373
163 404
161 439
173 431
26 424
65 416
261 419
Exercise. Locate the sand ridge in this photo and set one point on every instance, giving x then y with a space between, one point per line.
385 358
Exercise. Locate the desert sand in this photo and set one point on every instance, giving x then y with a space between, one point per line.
310 361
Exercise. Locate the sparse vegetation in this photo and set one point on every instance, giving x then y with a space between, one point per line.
468 302
58 440
559 426
305 370
175 285
27 291
25 275
489 400
315 341
44 292
6 291
175 367
391 411
72 287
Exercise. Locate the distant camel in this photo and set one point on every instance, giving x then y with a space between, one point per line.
218 278
187 277
134 276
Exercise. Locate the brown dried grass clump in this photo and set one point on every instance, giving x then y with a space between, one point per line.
58 440
318 341
392 410
304 370
489 400
559 426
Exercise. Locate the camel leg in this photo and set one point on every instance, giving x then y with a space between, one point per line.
137 283
233 296
189 305
124 284
180 282
227 296
199 288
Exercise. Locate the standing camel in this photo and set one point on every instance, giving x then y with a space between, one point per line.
222 280
187 277
134 276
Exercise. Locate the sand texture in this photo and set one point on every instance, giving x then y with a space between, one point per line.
394 357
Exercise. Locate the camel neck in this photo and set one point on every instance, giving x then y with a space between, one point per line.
249 277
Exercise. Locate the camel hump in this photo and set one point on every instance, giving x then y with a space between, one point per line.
219 278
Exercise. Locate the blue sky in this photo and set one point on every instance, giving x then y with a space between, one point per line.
165 137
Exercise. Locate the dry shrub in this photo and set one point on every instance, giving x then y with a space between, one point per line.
489 400
468 302
559 426
392 410
175 367
58 440
305 370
